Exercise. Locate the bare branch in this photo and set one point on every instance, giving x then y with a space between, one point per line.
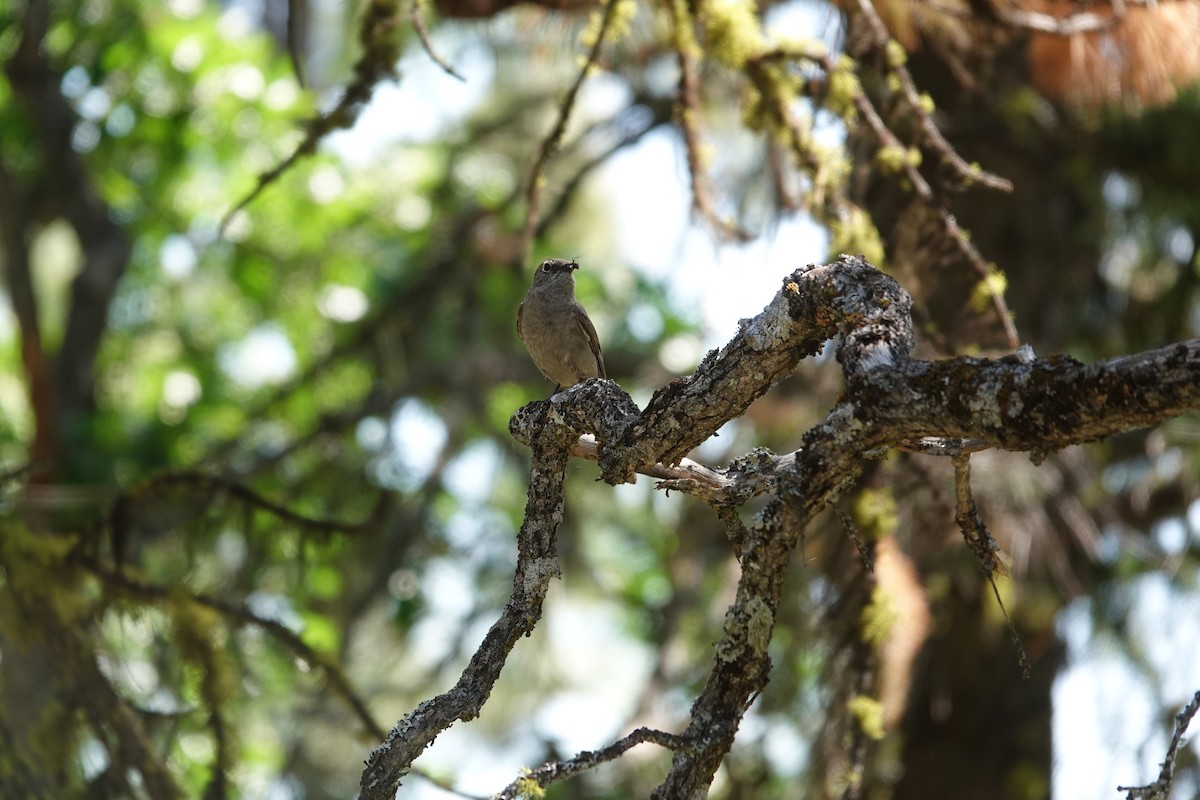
1037 407
823 469
1161 788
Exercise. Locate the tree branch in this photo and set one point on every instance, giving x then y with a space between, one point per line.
555 771
537 564
891 400
1161 788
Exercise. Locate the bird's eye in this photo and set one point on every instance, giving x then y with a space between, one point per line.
545 266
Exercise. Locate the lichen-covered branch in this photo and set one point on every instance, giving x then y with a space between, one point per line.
1038 406
891 401
537 564
828 463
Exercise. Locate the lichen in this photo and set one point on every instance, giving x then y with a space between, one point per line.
878 617
868 712
732 31
759 624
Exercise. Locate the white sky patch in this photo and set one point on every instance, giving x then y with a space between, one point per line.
802 18
178 257
603 677
1108 725
264 357
246 80
479 767
417 437
326 184
471 475
421 106
180 388
371 434
604 670
187 54
342 303
726 282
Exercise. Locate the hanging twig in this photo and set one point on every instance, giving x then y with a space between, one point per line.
416 14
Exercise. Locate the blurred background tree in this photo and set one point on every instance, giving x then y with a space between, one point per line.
259 492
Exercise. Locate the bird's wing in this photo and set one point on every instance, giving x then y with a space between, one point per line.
589 331
520 314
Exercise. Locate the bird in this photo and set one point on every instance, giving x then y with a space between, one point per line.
556 330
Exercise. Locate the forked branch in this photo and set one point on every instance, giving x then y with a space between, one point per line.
891 401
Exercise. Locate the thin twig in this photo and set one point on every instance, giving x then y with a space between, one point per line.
976 534
571 186
123 583
555 771
686 50
941 446
967 173
378 61
686 476
553 141
417 17
203 482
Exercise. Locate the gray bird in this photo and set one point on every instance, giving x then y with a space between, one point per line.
556 330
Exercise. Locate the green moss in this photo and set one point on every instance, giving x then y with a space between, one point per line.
844 89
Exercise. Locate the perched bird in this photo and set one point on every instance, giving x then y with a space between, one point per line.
556 330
